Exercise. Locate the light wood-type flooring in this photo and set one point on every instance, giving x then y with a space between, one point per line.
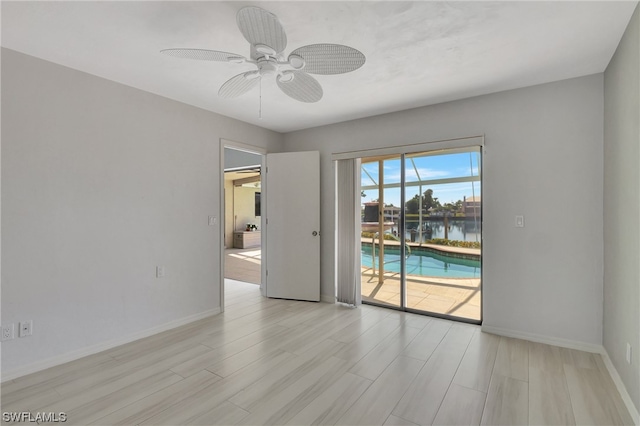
267 361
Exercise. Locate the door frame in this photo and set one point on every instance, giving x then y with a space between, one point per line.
252 149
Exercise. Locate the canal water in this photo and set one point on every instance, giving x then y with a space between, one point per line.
461 230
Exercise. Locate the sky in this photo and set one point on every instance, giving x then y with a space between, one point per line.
429 167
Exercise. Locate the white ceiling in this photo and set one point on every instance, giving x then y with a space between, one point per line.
418 53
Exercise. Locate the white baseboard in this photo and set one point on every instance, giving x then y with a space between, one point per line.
554 341
327 298
581 346
628 402
90 350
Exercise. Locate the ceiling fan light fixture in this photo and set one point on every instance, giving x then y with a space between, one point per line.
267 50
302 87
296 61
250 75
286 77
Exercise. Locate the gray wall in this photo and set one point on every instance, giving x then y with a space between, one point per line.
543 160
622 208
100 183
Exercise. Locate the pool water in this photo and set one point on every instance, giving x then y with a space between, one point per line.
425 264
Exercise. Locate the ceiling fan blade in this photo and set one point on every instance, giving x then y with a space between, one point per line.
204 55
301 86
329 58
261 27
239 85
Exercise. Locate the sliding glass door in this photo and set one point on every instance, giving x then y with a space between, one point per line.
381 265
421 232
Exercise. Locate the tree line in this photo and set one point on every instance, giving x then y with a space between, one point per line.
431 203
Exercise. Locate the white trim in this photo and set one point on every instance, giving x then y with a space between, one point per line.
554 341
412 148
628 402
328 298
240 146
90 350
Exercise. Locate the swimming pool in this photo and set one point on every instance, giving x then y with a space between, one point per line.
425 264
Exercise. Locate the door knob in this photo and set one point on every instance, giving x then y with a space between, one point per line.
314 233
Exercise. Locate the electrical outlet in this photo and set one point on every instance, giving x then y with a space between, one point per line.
213 220
159 271
628 353
7 332
26 328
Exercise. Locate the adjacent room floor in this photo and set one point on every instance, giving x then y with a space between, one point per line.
273 361
243 264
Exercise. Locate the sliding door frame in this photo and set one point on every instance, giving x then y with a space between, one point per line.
453 145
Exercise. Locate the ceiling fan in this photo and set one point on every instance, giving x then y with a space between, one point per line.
264 32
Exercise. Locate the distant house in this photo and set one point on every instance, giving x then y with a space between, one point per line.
471 206
392 214
369 213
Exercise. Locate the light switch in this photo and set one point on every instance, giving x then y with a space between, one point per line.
213 220
519 221
26 328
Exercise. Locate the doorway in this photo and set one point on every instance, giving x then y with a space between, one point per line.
241 224
421 232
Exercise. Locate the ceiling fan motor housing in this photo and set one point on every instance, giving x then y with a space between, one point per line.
267 66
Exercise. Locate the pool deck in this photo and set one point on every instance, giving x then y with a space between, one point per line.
459 297
445 249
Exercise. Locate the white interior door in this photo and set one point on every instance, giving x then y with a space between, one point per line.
293 225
